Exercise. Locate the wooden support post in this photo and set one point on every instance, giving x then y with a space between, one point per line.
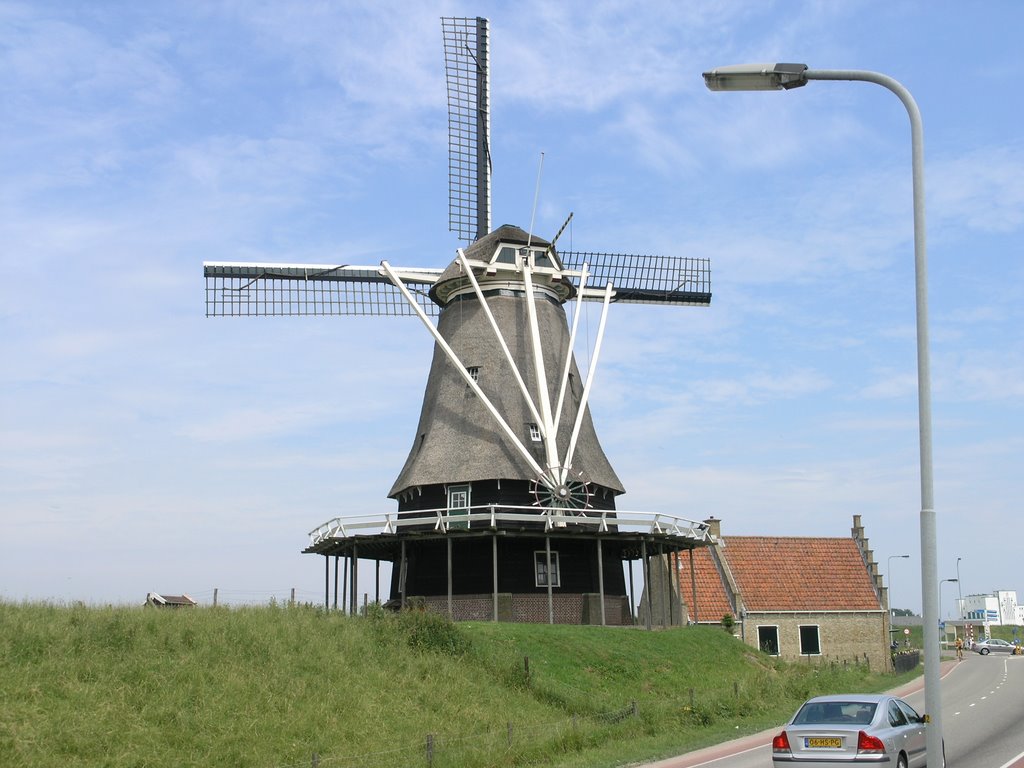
327 583
494 575
355 580
448 542
600 580
668 586
336 582
551 601
344 586
401 578
693 586
647 583
215 597
376 582
632 595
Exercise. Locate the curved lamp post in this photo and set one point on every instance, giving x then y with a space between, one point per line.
888 574
769 77
959 592
951 581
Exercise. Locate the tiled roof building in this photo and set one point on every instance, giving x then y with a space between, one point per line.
794 597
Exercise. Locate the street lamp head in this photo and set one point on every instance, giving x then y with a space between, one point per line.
756 77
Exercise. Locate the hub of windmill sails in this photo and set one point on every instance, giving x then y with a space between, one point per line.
572 494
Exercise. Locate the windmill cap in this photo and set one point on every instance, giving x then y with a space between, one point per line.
482 250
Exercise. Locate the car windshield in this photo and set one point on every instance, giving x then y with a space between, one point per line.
835 712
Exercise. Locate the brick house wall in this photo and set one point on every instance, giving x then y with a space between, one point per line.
854 636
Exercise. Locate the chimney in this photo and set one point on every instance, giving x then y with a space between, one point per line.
714 527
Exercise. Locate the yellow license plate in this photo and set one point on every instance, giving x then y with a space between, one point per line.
835 743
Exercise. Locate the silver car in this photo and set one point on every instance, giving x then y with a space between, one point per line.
993 645
855 729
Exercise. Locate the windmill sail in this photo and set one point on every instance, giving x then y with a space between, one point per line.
236 289
467 59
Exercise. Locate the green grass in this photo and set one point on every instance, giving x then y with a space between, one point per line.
271 686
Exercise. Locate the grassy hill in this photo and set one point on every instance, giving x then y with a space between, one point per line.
274 686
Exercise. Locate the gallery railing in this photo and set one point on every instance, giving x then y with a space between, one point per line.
493 517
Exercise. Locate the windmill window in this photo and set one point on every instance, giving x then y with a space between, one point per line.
535 433
506 255
541 259
540 561
474 372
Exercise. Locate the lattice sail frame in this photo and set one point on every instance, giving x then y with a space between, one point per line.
236 289
467 63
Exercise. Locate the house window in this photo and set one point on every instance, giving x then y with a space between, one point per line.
458 505
810 641
768 640
540 562
535 433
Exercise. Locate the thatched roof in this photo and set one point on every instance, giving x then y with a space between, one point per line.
456 439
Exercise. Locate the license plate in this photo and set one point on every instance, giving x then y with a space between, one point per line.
832 743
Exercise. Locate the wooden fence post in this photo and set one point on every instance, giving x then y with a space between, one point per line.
315 761
430 749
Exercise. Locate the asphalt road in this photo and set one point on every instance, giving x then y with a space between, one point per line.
982 720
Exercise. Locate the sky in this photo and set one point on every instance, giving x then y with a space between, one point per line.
146 447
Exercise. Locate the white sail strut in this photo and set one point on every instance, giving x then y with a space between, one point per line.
547 424
584 274
590 381
497 334
467 377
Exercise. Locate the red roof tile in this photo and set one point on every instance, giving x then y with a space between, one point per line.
712 601
800 574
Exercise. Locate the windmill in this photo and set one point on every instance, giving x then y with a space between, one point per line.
505 458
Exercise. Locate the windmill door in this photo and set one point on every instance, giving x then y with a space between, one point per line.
458 506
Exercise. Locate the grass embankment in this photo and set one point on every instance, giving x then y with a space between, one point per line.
270 687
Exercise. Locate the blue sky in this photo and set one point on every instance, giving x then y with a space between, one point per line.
146 447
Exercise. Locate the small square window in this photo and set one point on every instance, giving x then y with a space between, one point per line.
768 639
474 372
535 433
810 641
540 561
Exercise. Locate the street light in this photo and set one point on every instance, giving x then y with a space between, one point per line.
888 570
954 581
959 592
763 77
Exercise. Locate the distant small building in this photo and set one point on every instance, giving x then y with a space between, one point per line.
170 601
996 608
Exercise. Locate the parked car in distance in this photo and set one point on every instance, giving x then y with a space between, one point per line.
993 645
856 730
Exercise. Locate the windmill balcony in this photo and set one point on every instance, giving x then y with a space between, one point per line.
494 517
